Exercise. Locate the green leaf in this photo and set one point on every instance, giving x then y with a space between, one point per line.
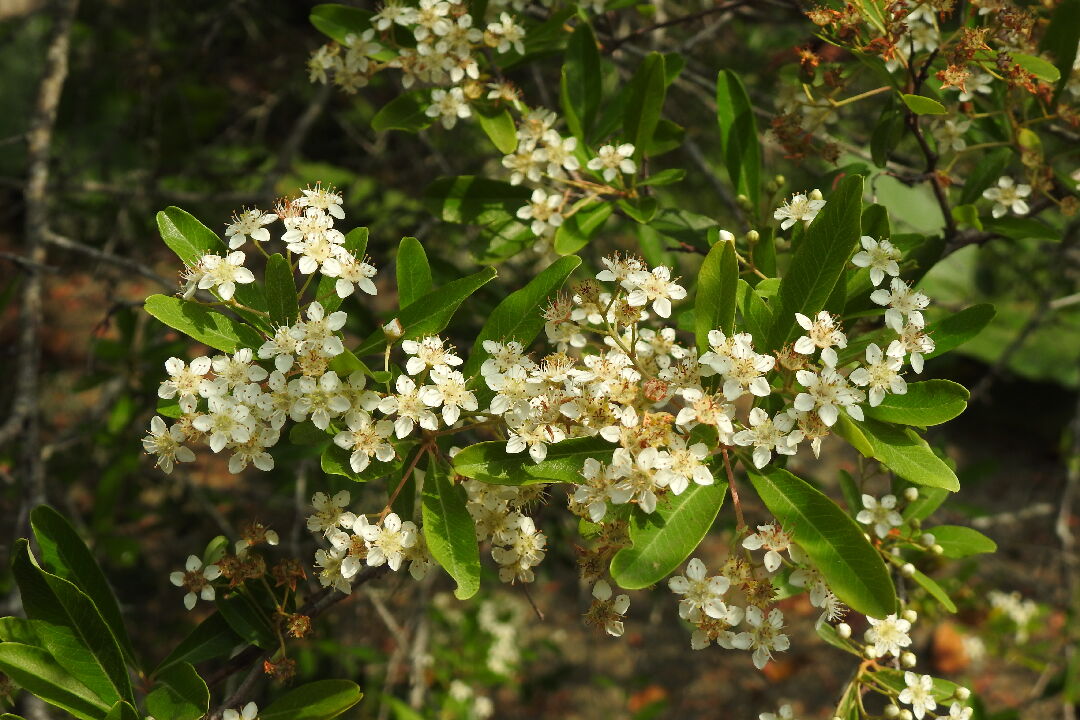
450 531
1061 39
336 461
490 204
641 209
738 135
894 679
19 630
887 135
921 105
926 403
489 462
755 314
186 236
645 100
70 628
901 449
667 137
663 539
281 291
500 129
986 172
320 700
356 243
576 230
247 620
850 565
34 670
818 262
205 326
338 21
123 711
929 585
64 552
1038 67
958 541
955 330
211 639
664 177
581 82
718 281
520 314
180 694
407 112
413 272
930 499
432 312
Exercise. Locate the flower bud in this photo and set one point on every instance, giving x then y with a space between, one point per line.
927 539
911 494
843 630
937 549
895 552
393 329
962 693
908 659
910 615
892 711
815 194
906 715
907 570
744 202
779 180
725 236
753 236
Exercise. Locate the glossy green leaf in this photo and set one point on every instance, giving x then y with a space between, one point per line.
124 711
755 314
430 313
581 82
34 670
413 272
644 103
901 449
70 628
450 531
922 105
247 620
186 236
63 552
930 585
640 209
664 177
489 462
336 461
958 541
339 21
489 204
850 565
19 630
179 694
520 314
407 112
930 499
212 638
662 540
818 262
926 403
1061 39
577 229
738 135
942 690
500 129
281 291
356 241
955 330
718 281
1038 67
204 325
320 700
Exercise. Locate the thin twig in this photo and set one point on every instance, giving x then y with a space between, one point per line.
121 262
615 43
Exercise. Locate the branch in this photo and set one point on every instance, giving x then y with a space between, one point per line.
123 263
616 43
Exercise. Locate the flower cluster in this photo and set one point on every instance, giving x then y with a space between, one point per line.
498 512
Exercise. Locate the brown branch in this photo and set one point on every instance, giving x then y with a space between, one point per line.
123 263
615 43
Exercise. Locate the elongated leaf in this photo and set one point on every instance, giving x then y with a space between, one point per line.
490 463
581 82
432 312
500 129
413 272
180 694
663 539
852 568
718 281
406 112
755 313
739 135
1061 39
930 585
211 639
281 291
34 670
930 402
450 531
247 620
958 541
955 330
469 199
320 700
1038 67
19 630
577 229
356 241
122 711
819 261
520 314
206 326
186 236
645 101
930 499
71 629
921 105
336 461
339 21
902 450
64 552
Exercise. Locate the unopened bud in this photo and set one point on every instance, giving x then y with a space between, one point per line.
910 615
937 549
393 329
843 630
906 715
912 494
744 202
895 552
891 711
907 570
779 180
815 194
753 236
927 539
962 693
908 659
726 236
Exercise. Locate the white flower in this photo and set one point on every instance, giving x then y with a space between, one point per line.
918 694
880 256
329 511
354 274
959 712
913 339
613 160
903 302
979 83
656 287
429 352
451 392
617 608
799 207
318 332
507 34
535 437
543 211
448 106
366 438
684 464
249 712
409 407
743 369
888 636
196 579
325 199
166 444
822 333
598 488
227 422
827 392
950 134
700 594
559 153
184 380
639 474
389 541
773 539
1008 196
764 635
769 435
882 515
784 713
393 12
249 223
224 273
881 375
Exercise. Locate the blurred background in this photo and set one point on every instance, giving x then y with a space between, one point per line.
207 105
